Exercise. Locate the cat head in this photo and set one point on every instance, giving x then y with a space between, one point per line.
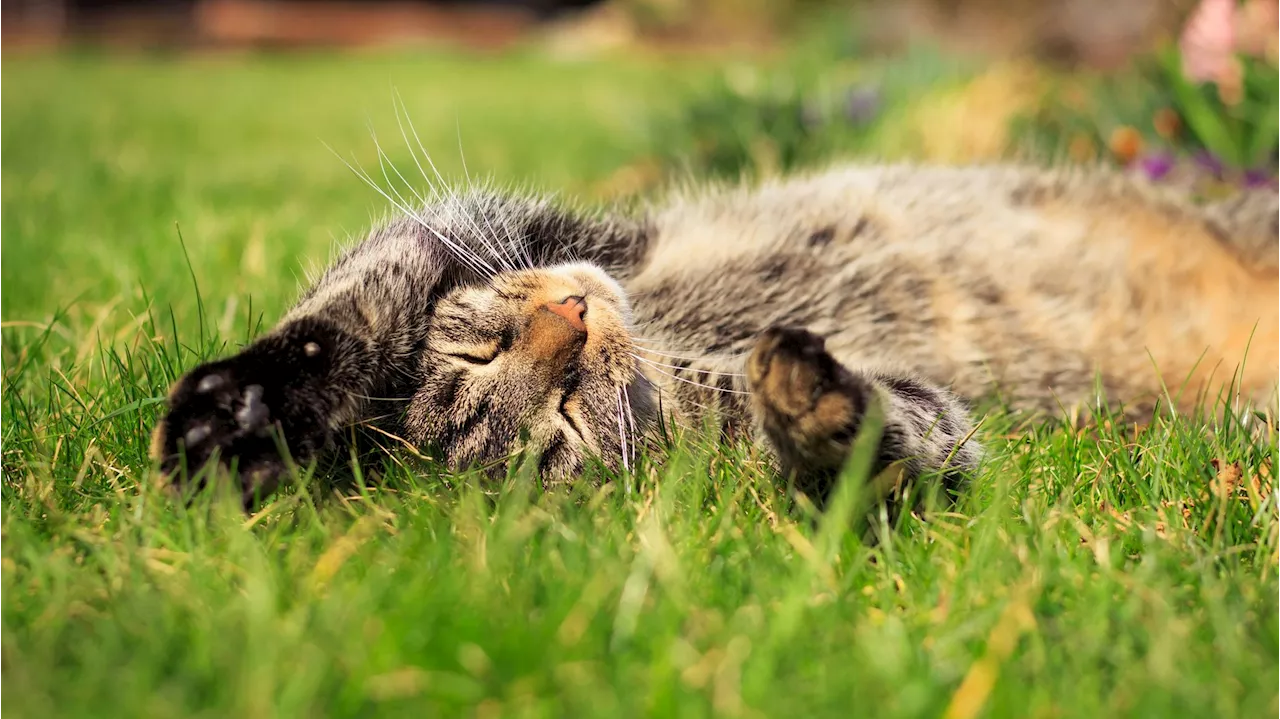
538 360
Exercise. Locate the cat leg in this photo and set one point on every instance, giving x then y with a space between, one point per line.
341 356
808 408
348 352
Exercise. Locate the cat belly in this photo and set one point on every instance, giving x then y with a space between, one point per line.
1040 302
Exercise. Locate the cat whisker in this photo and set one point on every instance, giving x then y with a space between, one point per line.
516 251
470 259
461 253
680 401
520 245
370 420
663 342
512 254
631 419
378 399
658 368
498 255
692 356
397 100
440 190
398 103
622 435
384 160
686 367
652 363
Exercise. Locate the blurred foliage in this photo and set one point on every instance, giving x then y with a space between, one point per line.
1242 132
1155 119
818 104
831 97
1205 113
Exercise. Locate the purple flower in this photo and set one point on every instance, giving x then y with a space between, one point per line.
1259 177
861 105
1157 165
1210 163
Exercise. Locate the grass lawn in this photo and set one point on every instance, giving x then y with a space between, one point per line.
1092 570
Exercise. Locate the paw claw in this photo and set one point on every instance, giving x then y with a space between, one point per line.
253 414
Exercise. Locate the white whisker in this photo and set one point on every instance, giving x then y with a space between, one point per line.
438 191
520 247
688 368
672 375
384 160
379 399
699 405
661 341
631 419
457 130
502 257
443 184
687 355
514 249
474 262
622 436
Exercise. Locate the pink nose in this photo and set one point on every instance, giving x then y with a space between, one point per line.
573 309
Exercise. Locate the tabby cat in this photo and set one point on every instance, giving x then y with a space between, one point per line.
479 324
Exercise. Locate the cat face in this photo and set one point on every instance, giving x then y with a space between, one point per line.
537 360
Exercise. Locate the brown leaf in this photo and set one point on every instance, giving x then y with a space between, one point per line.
1262 481
1224 485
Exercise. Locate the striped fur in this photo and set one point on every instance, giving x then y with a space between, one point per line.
786 311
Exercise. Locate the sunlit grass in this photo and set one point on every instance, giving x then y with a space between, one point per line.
1091 569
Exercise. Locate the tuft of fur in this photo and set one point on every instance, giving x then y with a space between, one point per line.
785 310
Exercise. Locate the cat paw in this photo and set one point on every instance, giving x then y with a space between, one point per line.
808 404
254 412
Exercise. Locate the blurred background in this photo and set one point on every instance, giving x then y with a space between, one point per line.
129 120
1134 81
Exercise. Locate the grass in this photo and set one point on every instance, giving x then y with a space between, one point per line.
1092 569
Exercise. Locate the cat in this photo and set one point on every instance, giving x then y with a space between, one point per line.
480 324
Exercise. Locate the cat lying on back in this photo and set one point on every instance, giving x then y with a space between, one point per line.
483 324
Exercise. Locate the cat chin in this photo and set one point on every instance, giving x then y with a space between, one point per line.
643 396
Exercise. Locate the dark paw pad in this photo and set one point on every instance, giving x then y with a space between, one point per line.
804 397
215 415
251 411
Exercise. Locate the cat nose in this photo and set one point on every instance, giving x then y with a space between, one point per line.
573 308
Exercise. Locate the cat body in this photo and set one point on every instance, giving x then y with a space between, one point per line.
482 323
1030 284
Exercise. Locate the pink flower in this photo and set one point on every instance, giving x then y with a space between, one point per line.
1256 24
1208 46
1208 41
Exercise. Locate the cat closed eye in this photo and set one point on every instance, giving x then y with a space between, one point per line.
475 358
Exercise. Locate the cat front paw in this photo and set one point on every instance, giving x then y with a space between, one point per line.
808 404
256 412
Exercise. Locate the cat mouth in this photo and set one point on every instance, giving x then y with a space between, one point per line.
569 389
